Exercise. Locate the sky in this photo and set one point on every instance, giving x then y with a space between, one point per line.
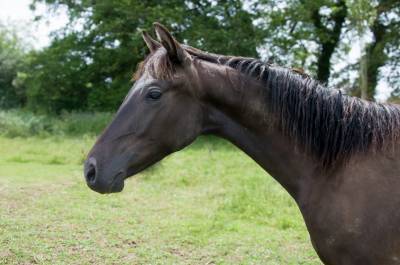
18 12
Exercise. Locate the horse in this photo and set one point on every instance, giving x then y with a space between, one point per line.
336 155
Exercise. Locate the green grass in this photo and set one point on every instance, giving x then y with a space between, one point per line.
208 204
20 123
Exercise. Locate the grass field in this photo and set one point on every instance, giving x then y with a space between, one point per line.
208 204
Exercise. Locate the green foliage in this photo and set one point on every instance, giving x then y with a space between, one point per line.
76 123
89 63
382 19
303 33
362 14
384 51
308 34
57 78
12 62
90 68
17 123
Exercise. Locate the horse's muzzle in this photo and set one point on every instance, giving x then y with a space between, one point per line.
99 183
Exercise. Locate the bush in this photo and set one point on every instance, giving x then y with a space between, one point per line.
18 123
79 123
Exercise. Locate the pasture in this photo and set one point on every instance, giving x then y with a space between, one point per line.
208 204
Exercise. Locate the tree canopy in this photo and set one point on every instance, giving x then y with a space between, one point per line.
12 58
305 32
89 63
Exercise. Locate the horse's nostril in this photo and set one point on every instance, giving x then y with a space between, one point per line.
91 174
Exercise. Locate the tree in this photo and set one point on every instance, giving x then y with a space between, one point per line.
58 77
381 20
384 49
304 32
361 15
90 62
12 62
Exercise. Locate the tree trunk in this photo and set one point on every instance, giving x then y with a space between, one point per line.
376 57
364 76
329 40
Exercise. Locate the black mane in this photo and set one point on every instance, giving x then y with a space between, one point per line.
323 121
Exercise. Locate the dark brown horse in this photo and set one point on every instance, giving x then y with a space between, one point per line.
336 155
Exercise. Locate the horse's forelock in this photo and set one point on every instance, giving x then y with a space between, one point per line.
158 65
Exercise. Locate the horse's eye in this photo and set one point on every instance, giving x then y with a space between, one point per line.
154 94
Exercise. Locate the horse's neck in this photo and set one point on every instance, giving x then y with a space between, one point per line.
238 114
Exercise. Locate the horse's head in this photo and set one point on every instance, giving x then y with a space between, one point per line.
160 115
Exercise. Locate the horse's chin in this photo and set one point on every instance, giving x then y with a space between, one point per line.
118 184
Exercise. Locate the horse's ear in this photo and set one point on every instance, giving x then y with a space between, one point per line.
151 43
174 49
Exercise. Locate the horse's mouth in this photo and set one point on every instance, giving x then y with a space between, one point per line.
118 183
104 184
